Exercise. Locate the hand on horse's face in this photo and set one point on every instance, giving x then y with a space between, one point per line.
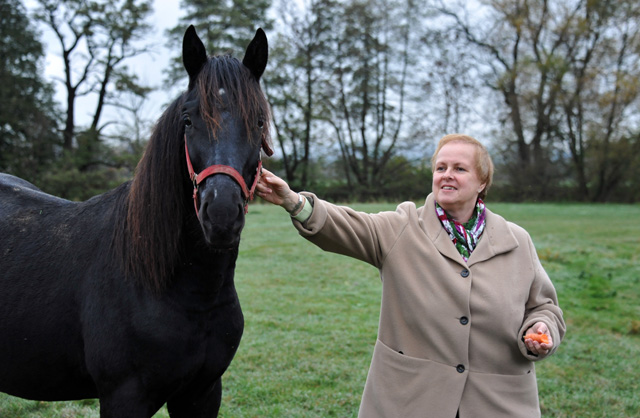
275 190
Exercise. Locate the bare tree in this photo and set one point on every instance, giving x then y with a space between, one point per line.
95 38
567 72
300 57
448 85
600 95
519 43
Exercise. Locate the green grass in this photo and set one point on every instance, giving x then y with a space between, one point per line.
311 319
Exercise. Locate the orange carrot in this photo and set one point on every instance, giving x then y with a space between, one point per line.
541 338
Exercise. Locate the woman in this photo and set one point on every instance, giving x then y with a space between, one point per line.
461 289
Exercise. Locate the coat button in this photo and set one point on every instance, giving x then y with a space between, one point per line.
464 273
460 368
464 320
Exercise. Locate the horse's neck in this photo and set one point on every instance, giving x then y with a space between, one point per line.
210 265
206 277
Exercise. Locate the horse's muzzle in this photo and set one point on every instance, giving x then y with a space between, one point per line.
221 212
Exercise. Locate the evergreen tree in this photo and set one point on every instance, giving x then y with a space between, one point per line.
225 26
29 139
366 96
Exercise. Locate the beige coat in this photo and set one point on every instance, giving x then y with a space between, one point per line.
450 332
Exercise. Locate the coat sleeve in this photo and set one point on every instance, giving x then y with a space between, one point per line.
542 306
342 230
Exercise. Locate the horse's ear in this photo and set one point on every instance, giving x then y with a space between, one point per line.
194 55
255 58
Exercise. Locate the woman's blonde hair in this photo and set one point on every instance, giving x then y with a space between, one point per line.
484 165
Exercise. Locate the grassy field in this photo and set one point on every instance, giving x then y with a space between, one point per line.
311 319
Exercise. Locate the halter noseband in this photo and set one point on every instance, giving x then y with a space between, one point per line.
198 178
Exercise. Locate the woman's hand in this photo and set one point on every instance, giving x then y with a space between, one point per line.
275 190
535 347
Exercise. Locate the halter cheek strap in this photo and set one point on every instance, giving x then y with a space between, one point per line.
198 178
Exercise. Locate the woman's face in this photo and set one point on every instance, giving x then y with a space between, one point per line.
455 180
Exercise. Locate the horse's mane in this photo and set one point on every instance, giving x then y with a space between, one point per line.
150 236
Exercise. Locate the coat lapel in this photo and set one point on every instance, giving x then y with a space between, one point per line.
497 237
437 234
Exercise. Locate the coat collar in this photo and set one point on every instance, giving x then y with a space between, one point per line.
496 239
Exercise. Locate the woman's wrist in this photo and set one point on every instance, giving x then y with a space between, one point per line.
305 211
294 203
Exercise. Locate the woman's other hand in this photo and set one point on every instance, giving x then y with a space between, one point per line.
537 348
275 190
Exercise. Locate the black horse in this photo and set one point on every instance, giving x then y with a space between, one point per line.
129 297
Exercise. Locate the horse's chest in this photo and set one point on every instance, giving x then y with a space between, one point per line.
205 347
170 341
215 335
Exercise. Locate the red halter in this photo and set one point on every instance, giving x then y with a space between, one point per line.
221 169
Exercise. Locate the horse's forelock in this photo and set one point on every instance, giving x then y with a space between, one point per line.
242 91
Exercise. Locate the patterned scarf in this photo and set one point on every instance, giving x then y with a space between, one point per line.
464 236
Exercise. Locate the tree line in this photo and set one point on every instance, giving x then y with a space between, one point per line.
360 91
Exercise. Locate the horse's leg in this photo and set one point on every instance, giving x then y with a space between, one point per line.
128 400
196 403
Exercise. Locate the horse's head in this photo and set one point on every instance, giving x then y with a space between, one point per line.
225 120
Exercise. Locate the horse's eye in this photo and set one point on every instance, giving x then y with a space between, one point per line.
260 123
186 120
